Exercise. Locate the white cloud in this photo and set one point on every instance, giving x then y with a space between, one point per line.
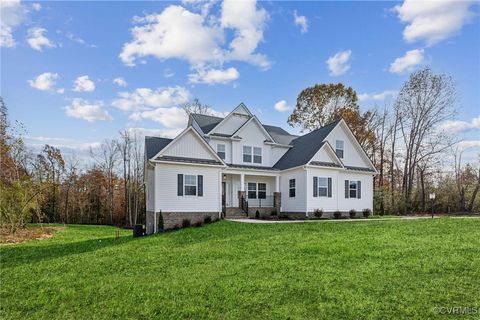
467 144
37 40
213 76
281 106
433 21
12 14
44 82
377 96
173 117
164 133
408 62
36 6
456 126
199 38
70 36
89 111
120 82
300 21
338 63
145 98
83 84
38 141
61 90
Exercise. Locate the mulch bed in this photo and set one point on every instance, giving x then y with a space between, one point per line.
27 234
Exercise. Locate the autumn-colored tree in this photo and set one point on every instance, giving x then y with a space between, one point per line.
324 103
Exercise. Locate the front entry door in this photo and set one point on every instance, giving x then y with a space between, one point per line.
224 207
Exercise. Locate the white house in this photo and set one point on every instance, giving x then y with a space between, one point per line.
236 166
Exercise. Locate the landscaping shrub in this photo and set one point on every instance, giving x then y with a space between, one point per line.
337 214
257 214
186 223
366 213
352 213
273 213
160 224
318 213
197 224
207 220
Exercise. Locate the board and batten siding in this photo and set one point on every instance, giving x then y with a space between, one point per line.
299 202
230 125
166 198
228 147
351 154
338 200
189 146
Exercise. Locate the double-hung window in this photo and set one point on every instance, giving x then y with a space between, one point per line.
262 191
322 187
252 190
257 155
190 185
221 151
353 189
247 154
339 148
291 188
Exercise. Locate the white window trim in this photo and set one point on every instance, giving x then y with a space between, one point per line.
342 148
292 188
323 187
253 155
224 151
351 189
250 154
190 185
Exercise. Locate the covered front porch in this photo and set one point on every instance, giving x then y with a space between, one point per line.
244 191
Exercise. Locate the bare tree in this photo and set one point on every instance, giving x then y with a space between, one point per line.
197 107
424 101
107 158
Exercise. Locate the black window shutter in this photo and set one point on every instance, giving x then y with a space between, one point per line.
200 186
180 184
329 187
315 186
359 193
346 189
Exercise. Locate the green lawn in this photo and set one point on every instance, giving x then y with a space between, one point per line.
351 270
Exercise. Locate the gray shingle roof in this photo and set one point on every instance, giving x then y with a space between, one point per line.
305 147
188 160
153 145
207 123
325 164
359 169
241 166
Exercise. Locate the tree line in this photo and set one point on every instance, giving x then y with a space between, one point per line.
404 141
414 157
48 186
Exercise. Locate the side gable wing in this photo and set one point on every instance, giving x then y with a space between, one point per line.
189 145
354 155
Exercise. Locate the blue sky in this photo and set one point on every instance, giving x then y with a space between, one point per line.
59 60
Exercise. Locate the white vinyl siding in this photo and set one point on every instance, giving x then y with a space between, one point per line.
299 202
352 154
166 198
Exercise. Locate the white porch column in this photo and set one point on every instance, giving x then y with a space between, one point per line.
277 183
242 182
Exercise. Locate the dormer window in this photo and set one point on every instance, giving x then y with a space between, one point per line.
339 148
221 151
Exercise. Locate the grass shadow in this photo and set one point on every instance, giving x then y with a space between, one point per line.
13 256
